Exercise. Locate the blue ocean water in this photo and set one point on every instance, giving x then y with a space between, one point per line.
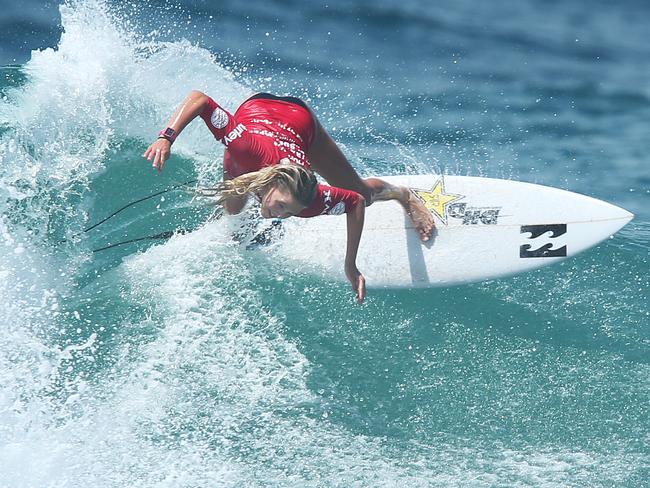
193 363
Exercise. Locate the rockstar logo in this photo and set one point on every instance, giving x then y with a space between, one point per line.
437 200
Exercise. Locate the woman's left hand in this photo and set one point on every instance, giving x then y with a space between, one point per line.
357 280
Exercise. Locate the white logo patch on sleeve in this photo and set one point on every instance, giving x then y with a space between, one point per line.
219 118
337 209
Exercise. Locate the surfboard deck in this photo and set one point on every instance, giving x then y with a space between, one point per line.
485 228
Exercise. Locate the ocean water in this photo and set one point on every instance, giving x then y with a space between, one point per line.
191 362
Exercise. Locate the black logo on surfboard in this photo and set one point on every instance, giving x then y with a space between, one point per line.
545 251
474 215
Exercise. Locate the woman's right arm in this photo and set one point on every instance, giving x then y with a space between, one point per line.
191 107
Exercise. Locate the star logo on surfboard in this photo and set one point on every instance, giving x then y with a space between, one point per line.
437 199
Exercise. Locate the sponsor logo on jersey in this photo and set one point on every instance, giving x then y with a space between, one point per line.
219 118
262 132
327 201
261 121
234 134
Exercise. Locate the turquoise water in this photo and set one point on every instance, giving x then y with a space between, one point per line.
192 362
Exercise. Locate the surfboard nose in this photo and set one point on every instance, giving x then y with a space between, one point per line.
599 210
627 216
606 221
616 213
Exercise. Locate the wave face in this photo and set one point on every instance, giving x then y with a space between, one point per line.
192 362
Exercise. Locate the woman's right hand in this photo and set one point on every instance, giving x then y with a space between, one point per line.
158 152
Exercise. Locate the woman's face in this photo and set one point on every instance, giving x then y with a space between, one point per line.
278 202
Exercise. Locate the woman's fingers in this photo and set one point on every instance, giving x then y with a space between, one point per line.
164 156
158 160
361 290
358 286
158 153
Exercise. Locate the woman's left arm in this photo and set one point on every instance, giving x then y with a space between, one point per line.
355 226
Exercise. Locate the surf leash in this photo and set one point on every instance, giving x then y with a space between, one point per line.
163 235
171 188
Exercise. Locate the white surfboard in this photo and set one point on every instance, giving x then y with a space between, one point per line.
485 228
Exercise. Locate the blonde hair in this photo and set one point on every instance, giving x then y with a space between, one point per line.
300 182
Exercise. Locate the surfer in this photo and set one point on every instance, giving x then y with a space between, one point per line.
267 131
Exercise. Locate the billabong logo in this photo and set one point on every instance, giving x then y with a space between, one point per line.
545 250
234 134
219 118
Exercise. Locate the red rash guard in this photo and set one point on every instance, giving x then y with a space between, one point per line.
264 132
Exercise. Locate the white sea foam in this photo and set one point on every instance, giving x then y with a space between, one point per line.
103 83
214 395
